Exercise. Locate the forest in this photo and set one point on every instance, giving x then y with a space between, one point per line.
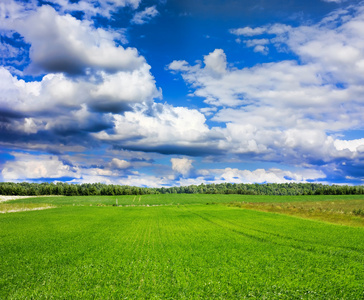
61 188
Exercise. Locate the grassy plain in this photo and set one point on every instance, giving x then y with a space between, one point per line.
344 212
175 199
180 249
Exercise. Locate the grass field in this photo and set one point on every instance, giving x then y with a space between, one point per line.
85 248
174 199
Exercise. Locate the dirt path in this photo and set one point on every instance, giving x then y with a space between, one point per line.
7 198
25 209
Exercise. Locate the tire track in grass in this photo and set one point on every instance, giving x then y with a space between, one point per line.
164 252
224 260
266 237
250 236
315 246
142 251
303 261
174 231
115 239
147 261
322 245
184 242
316 241
137 251
290 238
112 241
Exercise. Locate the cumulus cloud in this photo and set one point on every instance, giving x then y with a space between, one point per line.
92 88
182 165
86 75
285 80
119 163
84 168
62 43
273 175
16 8
116 91
268 29
235 175
351 145
77 104
216 61
287 110
259 45
145 16
333 44
35 166
335 1
178 65
27 166
161 128
248 31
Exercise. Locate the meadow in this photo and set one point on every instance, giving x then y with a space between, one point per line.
182 247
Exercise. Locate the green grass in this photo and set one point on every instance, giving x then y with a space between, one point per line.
190 251
16 207
344 212
174 199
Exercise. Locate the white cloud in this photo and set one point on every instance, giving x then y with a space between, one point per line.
33 167
182 165
271 175
158 126
335 1
90 9
234 175
134 87
282 82
269 29
88 76
333 44
143 180
119 163
248 31
61 43
216 62
178 65
259 45
351 145
121 3
288 110
27 166
256 42
145 16
262 49
26 125
208 111
76 103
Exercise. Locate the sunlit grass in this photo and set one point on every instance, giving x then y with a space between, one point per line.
9 207
182 247
344 212
176 252
175 199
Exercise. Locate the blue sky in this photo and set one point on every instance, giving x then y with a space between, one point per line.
169 93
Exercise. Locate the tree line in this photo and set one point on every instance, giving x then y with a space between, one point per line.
61 188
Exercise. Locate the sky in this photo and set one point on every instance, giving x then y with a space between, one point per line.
160 93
